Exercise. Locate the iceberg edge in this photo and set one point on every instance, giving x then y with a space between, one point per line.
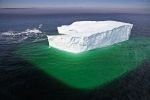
74 40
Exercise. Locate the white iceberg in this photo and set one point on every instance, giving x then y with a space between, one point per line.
87 35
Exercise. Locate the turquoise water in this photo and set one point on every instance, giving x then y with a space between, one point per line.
90 69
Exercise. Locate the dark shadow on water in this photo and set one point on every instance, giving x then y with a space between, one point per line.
24 81
134 85
20 80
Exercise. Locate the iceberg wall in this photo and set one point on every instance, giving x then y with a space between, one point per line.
87 35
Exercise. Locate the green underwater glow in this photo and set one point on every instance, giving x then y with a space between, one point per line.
90 69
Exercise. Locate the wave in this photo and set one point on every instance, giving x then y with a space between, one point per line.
34 34
40 26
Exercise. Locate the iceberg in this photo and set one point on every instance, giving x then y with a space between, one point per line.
82 36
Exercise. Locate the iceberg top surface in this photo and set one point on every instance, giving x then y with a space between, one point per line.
87 28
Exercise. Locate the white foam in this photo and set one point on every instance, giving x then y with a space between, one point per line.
28 31
38 40
8 33
40 26
17 37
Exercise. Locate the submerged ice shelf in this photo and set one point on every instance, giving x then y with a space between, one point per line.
87 35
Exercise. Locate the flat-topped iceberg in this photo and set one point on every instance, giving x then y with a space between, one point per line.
87 35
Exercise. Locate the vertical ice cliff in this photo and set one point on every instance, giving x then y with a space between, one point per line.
86 35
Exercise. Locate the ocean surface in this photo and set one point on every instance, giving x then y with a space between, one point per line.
30 70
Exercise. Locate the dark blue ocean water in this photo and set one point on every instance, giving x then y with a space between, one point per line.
19 81
19 23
